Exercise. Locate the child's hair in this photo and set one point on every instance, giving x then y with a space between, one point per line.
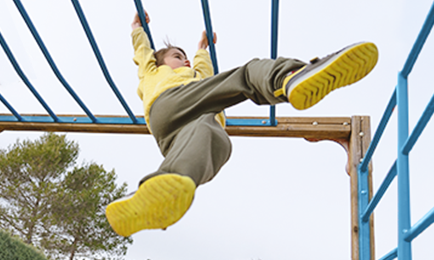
159 55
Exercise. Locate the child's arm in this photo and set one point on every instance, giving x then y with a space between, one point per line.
143 53
202 61
203 65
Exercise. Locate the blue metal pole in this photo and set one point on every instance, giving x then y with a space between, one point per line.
274 34
101 62
142 17
420 226
364 228
379 132
210 34
391 255
379 194
13 111
420 41
404 247
274 27
420 126
50 60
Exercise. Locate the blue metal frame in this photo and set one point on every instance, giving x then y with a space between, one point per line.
420 226
13 111
404 247
25 80
406 232
274 32
380 130
364 226
210 35
391 255
420 126
142 16
47 55
379 194
106 120
274 41
271 121
100 59
71 120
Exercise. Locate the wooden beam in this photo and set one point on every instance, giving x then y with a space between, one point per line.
353 133
304 127
358 145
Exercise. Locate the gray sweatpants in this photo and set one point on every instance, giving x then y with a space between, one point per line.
182 118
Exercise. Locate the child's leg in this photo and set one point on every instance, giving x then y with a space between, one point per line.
198 150
264 82
195 146
257 81
196 153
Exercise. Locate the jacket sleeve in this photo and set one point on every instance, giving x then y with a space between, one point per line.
202 64
143 53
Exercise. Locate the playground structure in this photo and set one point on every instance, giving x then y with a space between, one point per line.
353 133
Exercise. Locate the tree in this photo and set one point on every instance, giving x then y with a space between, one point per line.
52 203
83 229
29 173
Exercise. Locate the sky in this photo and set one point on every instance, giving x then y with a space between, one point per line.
276 198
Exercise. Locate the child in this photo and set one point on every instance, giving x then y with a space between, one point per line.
183 110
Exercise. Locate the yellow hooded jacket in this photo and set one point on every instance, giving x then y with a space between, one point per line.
155 80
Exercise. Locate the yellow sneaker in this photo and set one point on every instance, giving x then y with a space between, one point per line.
158 203
308 85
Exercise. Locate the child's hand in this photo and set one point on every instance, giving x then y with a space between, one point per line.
136 22
203 43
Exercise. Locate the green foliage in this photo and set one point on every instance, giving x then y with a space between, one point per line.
14 248
84 192
30 172
54 204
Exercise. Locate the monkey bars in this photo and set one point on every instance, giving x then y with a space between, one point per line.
353 133
400 168
271 121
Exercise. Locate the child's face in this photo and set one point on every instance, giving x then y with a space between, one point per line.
174 58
